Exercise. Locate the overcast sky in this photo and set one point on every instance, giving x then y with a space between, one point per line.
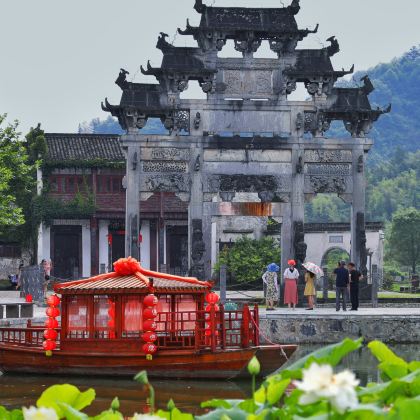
59 58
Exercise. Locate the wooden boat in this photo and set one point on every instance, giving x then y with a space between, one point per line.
124 322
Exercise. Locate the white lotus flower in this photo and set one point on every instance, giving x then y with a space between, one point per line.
42 413
145 417
319 382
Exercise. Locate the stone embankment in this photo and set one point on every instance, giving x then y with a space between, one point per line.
325 325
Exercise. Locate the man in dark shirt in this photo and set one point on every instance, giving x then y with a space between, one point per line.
354 286
341 283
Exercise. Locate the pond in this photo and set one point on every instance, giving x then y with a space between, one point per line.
18 390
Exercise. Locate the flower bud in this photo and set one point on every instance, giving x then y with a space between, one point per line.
141 378
254 367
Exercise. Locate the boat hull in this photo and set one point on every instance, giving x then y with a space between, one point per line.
224 364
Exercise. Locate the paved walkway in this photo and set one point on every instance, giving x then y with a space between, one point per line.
331 312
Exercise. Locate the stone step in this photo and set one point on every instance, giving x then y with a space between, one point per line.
11 296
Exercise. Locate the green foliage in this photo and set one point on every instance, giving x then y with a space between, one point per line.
327 208
404 240
248 258
61 397
318 394
47 208
16 181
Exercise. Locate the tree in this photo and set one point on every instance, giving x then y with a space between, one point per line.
404 240
248 258
16 176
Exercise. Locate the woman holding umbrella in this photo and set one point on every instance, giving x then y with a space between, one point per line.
312 270
270 280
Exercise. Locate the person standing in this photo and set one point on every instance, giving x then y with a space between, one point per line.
291 276
341 284
310 290
355 276
270 280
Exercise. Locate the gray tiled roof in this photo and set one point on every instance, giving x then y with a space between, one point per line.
76 147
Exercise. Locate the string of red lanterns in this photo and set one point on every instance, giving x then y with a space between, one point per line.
149 335
212 299
51 334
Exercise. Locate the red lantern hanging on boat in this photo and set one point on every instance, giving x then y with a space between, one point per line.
149 325
149 313
150 300
49 345
50 334
51 323
53 312
53 300
212 298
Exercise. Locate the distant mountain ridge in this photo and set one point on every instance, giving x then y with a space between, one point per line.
397 82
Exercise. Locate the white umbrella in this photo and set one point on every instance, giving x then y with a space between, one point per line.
313 268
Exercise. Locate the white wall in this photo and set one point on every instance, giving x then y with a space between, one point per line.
319 243
145 244
44 241
86 255
103 244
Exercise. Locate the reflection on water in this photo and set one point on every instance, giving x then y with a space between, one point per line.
18 390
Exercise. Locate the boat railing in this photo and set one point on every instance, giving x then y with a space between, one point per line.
29 336
195 330
208 329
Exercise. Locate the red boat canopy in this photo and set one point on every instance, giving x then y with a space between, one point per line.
130 277
127 284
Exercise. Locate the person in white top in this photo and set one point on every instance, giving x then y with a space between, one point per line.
291 276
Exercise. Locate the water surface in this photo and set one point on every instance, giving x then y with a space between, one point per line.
19 390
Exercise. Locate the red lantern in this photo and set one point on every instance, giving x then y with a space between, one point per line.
149 325
149 337
50 334
111 323
51 323
216 307
149 313
28 298
49 345
212 298
149 348
207 333
52 312
53 300
150 300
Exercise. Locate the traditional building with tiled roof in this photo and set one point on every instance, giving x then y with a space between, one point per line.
83 210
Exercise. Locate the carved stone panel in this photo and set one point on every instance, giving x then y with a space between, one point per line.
165 166
328 168
166 183
164 153
197 249
245 82
250 183
328 156
328 184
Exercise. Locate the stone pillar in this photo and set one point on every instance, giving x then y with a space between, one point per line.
207 239
286 244
358 234
223 283
132 194
196 246
325 284
94 246
298 213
